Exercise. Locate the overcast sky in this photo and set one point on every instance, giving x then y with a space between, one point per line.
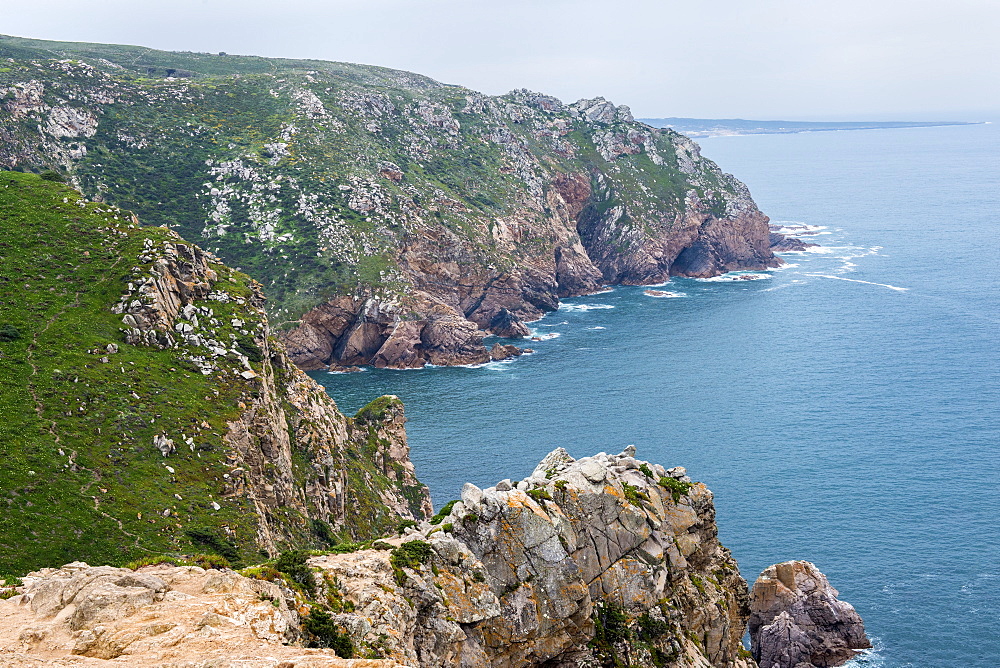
762 59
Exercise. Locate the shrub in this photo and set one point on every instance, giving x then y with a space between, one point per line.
9 332
540 494
444 512
321 631
210 561
293 564
676 488
408 555
646 471
49 175
634 495
207 537
411 554
322 530
249 347
404 525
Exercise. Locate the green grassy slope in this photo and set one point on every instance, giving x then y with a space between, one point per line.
80 475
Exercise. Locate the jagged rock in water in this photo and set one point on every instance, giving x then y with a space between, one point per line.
507 325
797 621
781 243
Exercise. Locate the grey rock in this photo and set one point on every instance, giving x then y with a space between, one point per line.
797 621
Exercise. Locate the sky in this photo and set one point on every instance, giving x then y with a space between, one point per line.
760 59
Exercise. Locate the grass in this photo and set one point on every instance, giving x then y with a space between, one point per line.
81 477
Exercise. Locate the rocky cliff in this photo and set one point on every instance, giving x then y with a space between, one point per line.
148 407
390 218
602 561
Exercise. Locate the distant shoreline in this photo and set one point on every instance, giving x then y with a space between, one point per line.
723 127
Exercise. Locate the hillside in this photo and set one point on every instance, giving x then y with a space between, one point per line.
147 408
390 219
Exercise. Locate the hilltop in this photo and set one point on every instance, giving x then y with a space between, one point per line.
391 219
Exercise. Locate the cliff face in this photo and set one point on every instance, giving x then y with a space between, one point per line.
389 217
605 561
152 410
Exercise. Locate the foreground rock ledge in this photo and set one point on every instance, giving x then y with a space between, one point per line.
797 620
585 562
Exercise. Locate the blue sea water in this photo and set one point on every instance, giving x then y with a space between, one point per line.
844 409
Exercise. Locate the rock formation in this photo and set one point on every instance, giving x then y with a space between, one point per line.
157 617
391 219
797 621
606 560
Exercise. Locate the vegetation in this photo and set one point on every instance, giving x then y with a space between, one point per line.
634 495
321 631
540 494
411 554
293 564
81 476
676 488
622 642
444 512
308 175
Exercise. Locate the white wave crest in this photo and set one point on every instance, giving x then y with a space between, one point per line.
854 280
793 228
584 307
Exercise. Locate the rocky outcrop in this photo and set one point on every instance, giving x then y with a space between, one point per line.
172 420
607 560
602 561
159 616
797 620
390 218
781 243
288 416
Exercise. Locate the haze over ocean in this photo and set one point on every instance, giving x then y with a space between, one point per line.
845 409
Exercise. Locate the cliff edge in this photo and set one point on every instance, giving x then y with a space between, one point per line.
602 561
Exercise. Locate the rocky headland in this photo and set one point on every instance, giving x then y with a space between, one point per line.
392 220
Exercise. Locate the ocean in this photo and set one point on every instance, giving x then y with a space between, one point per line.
844 409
